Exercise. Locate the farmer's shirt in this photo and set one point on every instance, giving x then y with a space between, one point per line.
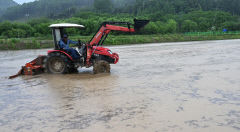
66 46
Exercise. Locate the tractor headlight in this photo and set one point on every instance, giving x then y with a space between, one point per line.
110 52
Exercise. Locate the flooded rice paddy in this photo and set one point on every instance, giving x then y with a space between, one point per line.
167 87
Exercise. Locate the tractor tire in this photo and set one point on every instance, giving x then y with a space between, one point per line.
101 66
57 63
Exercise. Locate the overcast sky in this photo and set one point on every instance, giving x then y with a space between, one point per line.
23 1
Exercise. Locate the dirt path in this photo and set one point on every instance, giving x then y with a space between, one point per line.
172 87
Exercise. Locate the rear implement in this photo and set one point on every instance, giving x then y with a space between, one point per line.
32 68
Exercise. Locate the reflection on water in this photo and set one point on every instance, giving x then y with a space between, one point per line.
191 86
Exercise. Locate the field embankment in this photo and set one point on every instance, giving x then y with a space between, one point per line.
38 43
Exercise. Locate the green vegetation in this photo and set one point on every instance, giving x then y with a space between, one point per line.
158 9
32 43
171 20
29 43
201 21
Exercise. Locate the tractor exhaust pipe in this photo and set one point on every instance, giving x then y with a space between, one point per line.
138 24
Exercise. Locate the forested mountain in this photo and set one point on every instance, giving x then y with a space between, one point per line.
166 16
46 8
183 6
62 8
66 8
4 4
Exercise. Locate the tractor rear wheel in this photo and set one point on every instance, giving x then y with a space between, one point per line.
101 66
57 63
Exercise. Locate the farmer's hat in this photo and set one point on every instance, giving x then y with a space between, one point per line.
65 36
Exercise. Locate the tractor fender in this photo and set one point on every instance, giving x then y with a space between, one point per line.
104 51
53 51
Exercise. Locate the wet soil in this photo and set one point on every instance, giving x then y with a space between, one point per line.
172 87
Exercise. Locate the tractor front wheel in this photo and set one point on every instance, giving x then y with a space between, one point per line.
101 67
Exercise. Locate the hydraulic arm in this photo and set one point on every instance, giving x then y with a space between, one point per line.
107 27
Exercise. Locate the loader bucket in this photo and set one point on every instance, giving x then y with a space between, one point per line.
138 24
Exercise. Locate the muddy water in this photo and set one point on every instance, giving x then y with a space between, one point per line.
172 87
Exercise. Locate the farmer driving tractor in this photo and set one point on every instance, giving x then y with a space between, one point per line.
64 44
90 54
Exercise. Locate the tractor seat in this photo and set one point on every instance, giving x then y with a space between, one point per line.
65 51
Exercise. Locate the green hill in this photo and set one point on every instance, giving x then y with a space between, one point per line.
4 4
46 8
158 8
62 8
166 16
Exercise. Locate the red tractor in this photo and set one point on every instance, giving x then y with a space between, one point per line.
91 53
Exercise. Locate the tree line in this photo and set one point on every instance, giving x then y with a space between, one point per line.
55 9
194 21
166 16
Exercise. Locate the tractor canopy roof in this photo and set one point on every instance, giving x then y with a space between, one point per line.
66 25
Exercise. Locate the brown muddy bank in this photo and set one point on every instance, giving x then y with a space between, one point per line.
188 86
